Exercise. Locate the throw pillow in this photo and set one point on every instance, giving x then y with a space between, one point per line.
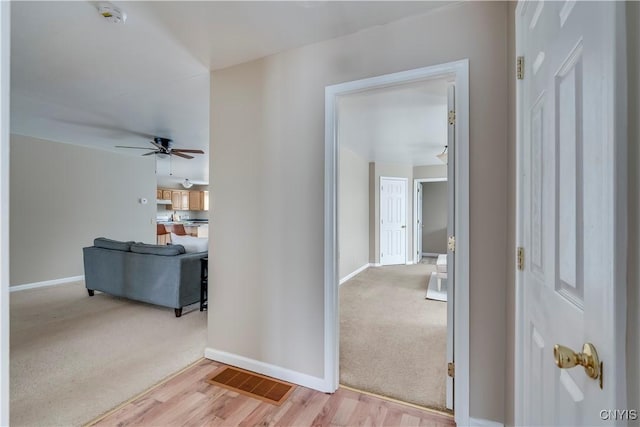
191 244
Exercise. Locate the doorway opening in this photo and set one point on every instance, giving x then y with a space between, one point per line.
353 217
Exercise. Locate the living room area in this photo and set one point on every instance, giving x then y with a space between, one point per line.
74 355
65 345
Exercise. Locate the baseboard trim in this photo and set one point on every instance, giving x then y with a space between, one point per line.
45 283
268 369
478 422
431 254
354 273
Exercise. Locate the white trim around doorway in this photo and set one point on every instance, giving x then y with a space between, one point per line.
416 235
5 47
459 71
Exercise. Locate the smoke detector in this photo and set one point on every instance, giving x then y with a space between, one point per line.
112 13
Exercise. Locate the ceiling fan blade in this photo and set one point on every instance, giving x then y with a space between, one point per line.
160 147
181 155
182 150
150 153
135 148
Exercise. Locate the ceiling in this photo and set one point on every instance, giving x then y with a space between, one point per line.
403 124
78 79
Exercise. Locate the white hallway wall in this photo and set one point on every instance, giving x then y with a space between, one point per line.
267 168
434 217
353 212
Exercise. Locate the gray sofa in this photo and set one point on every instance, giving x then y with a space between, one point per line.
155 274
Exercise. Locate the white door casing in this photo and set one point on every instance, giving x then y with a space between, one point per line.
460 72
451 231
570 211
418 223
393 221
5 57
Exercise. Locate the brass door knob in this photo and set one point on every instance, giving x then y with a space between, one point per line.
566 358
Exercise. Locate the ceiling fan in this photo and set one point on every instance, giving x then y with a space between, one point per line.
163 147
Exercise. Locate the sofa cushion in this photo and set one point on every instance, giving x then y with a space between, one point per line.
164 250
191 244
116 245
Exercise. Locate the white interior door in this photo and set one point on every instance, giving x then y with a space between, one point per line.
419 223
393 221
451 197
567 186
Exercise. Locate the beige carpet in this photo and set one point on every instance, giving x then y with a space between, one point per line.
393 340
74 357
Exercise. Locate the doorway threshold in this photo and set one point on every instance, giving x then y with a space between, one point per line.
446 413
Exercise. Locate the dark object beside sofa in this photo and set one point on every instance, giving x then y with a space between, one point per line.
156 274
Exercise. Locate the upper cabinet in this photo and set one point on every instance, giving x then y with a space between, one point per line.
159 194
182 200
185 200
204 197
176 200
194 201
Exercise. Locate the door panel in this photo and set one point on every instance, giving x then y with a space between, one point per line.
567 230
393 221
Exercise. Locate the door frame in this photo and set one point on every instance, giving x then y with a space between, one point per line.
406 217
5 36
416 235
459 70
617 127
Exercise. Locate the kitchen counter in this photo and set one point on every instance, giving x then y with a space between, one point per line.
185 222
192 228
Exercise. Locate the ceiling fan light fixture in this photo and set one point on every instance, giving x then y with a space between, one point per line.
186 183
444 156
112 13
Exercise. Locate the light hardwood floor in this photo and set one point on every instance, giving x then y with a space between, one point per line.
188 400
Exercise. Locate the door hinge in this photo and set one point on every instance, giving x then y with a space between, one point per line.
451 243
451 369
520 68
520 258
452 117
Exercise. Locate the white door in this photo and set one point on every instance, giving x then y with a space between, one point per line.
569 286
393 221
419 224
451 197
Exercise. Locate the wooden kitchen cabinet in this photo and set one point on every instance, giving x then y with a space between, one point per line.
204 200
158 194
194 201
185 200
176 200
166 194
